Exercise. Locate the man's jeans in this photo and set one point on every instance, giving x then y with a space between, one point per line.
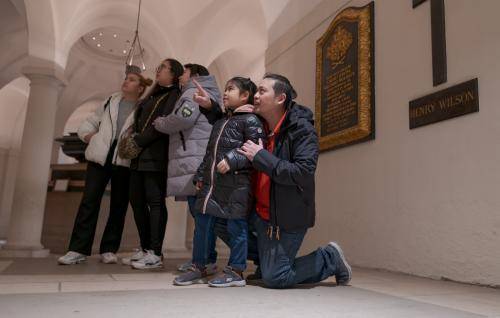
238 236
280 268
211 238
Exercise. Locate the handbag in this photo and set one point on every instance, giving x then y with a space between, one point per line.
128 147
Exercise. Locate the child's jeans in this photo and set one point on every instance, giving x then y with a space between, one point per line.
212 253
238 232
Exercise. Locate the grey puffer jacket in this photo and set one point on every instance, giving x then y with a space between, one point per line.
189 132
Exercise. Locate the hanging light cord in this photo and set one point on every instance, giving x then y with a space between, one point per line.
130 55
138 16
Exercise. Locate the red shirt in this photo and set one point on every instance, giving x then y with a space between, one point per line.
263 181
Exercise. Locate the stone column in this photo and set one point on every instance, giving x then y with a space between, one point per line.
8 179
30 191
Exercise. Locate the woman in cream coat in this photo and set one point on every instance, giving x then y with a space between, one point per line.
102 131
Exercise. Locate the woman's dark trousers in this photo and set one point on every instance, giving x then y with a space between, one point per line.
96 180
147 197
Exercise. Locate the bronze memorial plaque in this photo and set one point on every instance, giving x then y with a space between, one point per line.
345 79
451 102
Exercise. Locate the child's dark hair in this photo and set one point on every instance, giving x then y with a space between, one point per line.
245 85
282 85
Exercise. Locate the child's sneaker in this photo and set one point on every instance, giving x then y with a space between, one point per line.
192 276
211 268
149 261
71 258
134 258
228 278
185 267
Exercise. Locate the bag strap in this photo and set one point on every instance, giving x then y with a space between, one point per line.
152 112
105 106
107 102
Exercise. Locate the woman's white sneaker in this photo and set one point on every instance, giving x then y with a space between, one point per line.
150 260
109 258
134 258
71 258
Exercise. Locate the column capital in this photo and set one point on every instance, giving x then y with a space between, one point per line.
40 71
45 80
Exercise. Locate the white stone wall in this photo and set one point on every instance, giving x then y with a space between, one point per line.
423 201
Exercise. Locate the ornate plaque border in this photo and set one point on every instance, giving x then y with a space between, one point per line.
365 129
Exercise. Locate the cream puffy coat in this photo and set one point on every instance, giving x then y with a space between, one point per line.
103 123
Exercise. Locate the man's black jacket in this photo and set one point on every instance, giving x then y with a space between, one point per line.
291 167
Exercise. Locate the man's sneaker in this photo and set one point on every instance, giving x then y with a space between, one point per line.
109 258
228 278
150 260
344 271
255 276
134 258
71 258
211 268
192 276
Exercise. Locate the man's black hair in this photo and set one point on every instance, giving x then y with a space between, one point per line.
197 69
282 86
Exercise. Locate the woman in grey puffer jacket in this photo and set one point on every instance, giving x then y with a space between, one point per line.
189 132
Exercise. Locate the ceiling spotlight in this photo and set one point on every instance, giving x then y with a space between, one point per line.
115 35
124 51
93 38
98 44
100 33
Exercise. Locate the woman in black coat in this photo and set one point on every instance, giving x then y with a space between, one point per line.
148 175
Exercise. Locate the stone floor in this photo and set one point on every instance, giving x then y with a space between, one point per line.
40 288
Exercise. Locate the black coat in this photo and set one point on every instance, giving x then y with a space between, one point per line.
154 155
291 167
228 195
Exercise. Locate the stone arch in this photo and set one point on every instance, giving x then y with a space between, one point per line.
40 19
229 64
13 40
228 31
98 14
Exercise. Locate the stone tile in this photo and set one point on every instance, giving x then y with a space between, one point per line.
53 278
122 286
485 303
29 288
255 302
166 277
421 287
4 265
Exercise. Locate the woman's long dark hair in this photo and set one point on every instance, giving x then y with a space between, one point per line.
177 70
